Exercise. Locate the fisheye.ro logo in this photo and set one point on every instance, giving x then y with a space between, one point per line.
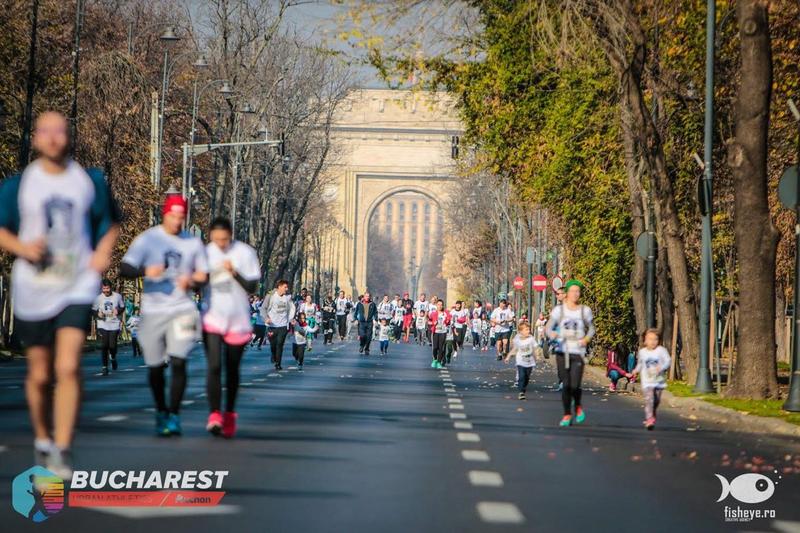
37 494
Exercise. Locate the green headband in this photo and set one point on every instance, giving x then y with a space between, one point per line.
572 282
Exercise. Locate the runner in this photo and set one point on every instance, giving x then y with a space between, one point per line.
502 318
259 326
652 365
572 325
522 348
301 330
397 322
385 308
383 336
108 307
134 319
235 272
476 325
61 224
421 324
173 264
408 316
310 309
366 314
439 321
343 306
328 319
278 309
460 317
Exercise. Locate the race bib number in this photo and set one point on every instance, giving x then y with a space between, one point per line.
221 280
184 328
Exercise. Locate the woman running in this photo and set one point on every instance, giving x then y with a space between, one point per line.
572 325
235 272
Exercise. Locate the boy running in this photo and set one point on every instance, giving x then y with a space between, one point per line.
108 307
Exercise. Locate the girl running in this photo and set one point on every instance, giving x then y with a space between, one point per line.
572 325
653 363
384 331
522 348
301 330
227 328
439 320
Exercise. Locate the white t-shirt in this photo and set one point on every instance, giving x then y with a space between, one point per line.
652 366
226 305
503 317
56 208
383 332
180 254
572 325
310 309
422 321
524 350
421 305
384 310
459 318
341 306
133 325
279 309
476 325
105 306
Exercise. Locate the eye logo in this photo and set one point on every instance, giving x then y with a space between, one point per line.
747 488
37 494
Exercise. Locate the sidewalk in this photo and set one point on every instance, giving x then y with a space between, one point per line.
697 409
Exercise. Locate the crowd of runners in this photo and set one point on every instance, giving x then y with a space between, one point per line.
61 223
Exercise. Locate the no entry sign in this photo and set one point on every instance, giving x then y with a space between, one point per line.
519 283
539 283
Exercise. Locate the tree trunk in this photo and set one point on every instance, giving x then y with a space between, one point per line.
756 237
666 299
780 324
637 227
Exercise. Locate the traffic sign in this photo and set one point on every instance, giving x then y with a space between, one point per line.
539 283
645 244
788 188
557 283
519 283
530 255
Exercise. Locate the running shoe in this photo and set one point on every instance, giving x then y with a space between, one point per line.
522 396
161 424
59 462
214 424
300 367
499 357
650 423
433 363
566 421
113 363
174 424
455 354
560 386
105 371
229 424
41 451
612 387
580 415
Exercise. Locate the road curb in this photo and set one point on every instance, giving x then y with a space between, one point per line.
733 420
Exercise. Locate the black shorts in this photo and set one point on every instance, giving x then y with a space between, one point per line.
505 335
43 332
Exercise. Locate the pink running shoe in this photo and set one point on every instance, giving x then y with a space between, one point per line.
215 423
650 423
229 424
612 386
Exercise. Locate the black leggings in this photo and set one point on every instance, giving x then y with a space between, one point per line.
259 332
299 353
439 344
327 326
177 386
233 358
571 378
137 350
108 343
460 333
342 321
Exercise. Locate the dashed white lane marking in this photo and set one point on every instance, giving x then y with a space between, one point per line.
475 455
485 478
786 526
128 369
455 406
142 366
457 416
3 448
468 437
247 384
112 418
462 425
187 402
149 409
453 400
452 394
499 513
156 512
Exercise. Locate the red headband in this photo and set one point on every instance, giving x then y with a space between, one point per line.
174 203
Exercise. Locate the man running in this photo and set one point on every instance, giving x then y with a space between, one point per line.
502 319
278 310
235 273
174 265
108 307
61 223
366 315
343 306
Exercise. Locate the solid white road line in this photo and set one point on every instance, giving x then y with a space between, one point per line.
462 425
457 416
499 513
485 478
474 455
468 437
112 418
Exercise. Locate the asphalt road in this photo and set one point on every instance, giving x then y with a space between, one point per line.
388 444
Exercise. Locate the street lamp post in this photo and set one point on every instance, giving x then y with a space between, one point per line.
703 382
168 38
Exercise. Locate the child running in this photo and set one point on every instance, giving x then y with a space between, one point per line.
421 325
522 348
384 330
653 363
301 329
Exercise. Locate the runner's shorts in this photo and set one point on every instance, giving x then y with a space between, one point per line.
500 335
43 332
162 336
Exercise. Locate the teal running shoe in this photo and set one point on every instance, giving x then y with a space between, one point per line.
174 424
580 415
161 424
